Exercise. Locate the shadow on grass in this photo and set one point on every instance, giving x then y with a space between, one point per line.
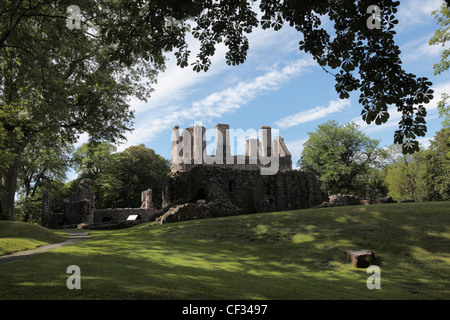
295 255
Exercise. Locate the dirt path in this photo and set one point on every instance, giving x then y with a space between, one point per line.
75 236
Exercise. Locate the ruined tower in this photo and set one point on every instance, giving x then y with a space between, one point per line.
189 149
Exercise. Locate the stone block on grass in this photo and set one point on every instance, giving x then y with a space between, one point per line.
361 258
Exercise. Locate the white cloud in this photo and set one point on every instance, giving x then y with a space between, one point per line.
424 143
312 114
296 147
215 104
83 138
175 84
415 12
233 98
420 49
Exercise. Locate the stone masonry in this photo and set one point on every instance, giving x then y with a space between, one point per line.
80 209
196 189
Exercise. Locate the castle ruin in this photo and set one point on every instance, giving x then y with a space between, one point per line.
189 150
202 185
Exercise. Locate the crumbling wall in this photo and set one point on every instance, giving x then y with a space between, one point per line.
45 217
245 189
199 210
121 214
80 206
80 209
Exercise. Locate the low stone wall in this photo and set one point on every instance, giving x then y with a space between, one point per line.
194 211
109 225
56 220
80 209
337 200
121 214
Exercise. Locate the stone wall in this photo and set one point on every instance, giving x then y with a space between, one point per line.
80 206
199 210
56 220
121 214
245 189
80 209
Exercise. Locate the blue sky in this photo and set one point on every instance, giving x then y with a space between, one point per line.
281 87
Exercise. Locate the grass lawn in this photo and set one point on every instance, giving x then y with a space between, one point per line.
19 236
283 255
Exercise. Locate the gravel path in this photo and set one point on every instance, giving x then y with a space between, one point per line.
75 236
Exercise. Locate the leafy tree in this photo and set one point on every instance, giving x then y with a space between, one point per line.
56 82
441 37
65 81
43 161
99 162
43 165
94 158
343 158
405 173
437 174
424 176
141 169
118 178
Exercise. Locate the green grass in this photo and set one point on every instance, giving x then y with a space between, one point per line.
283 255
19 236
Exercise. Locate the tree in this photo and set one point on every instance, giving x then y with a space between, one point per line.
60 80
43 165
343 158
441 37
44 160
94 158
118 178
141 169
423 176
437 174
99 162
405 175
56 82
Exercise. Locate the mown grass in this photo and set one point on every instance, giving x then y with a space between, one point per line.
19 236
282 255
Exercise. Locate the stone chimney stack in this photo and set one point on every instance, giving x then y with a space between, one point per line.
199 144
252 150
175 140
223 141
265 149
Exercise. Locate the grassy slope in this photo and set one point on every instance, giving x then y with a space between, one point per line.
286 255
18 236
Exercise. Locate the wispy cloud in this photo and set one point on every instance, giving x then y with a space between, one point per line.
177 84
420 49
234 97
312 114
415 12
296 147
216 104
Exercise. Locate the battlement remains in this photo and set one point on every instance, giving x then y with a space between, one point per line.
189 149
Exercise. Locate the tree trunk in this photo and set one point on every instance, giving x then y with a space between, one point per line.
9 180
9 184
